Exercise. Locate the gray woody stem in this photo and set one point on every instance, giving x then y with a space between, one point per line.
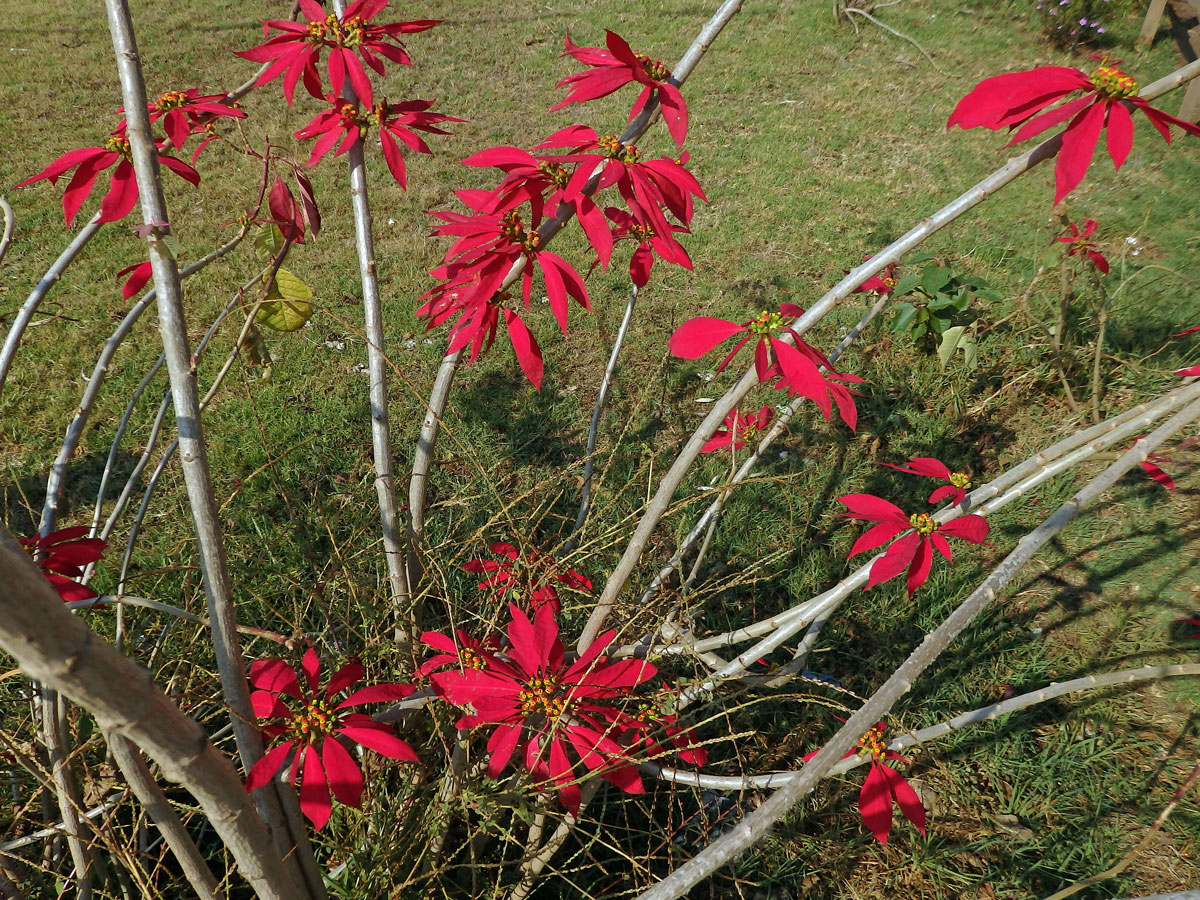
904 741
161 813
755 826
423 457
193 455
394 550
590 456
57 649
892 253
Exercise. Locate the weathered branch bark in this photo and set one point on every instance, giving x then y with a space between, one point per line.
57 649
136 773
193 451
755 826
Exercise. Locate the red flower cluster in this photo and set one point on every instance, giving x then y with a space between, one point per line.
527 580
797 367
956 484
498 234
553 716
739 429
1108 97
185 113
89 162
350 41
1080 244
346 123
314 724
914 551
61 555
616 66
883 784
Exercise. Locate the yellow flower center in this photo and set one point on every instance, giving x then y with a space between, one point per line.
317 721
612 147
560 176
766 323
332 33
1109 81
469 659
872 743
119 144
642 232
171 100
923 523
540 695
654 69
960 480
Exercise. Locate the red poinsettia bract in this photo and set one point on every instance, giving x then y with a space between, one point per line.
350 41
61 555
956 484
884 784
525 579
314 724
184 113
487 247
616 66
914 551
89 162
645 185
1019 98
346 122
650 243
738 429
1080 244
882 283
799 365
550 714
1192 370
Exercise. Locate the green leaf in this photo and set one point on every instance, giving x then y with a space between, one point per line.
949 343
934 278
1051 256
905 314
287 307
905 285
940 323
989 294
268 242
970 351
941 302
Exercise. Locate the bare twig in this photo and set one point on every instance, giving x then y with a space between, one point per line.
9 223
754 826
195 869
1115 870
194 456
57 649
870 18
594 427
659 505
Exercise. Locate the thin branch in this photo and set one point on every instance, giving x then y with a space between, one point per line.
10 222
168 609
56 482
870 18
136 773
658 506
590 455
756 825
1123 863
12 340
924 735
194 454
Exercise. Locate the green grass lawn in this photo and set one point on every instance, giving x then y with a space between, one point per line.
816 146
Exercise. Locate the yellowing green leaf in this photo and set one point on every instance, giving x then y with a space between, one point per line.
288 305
